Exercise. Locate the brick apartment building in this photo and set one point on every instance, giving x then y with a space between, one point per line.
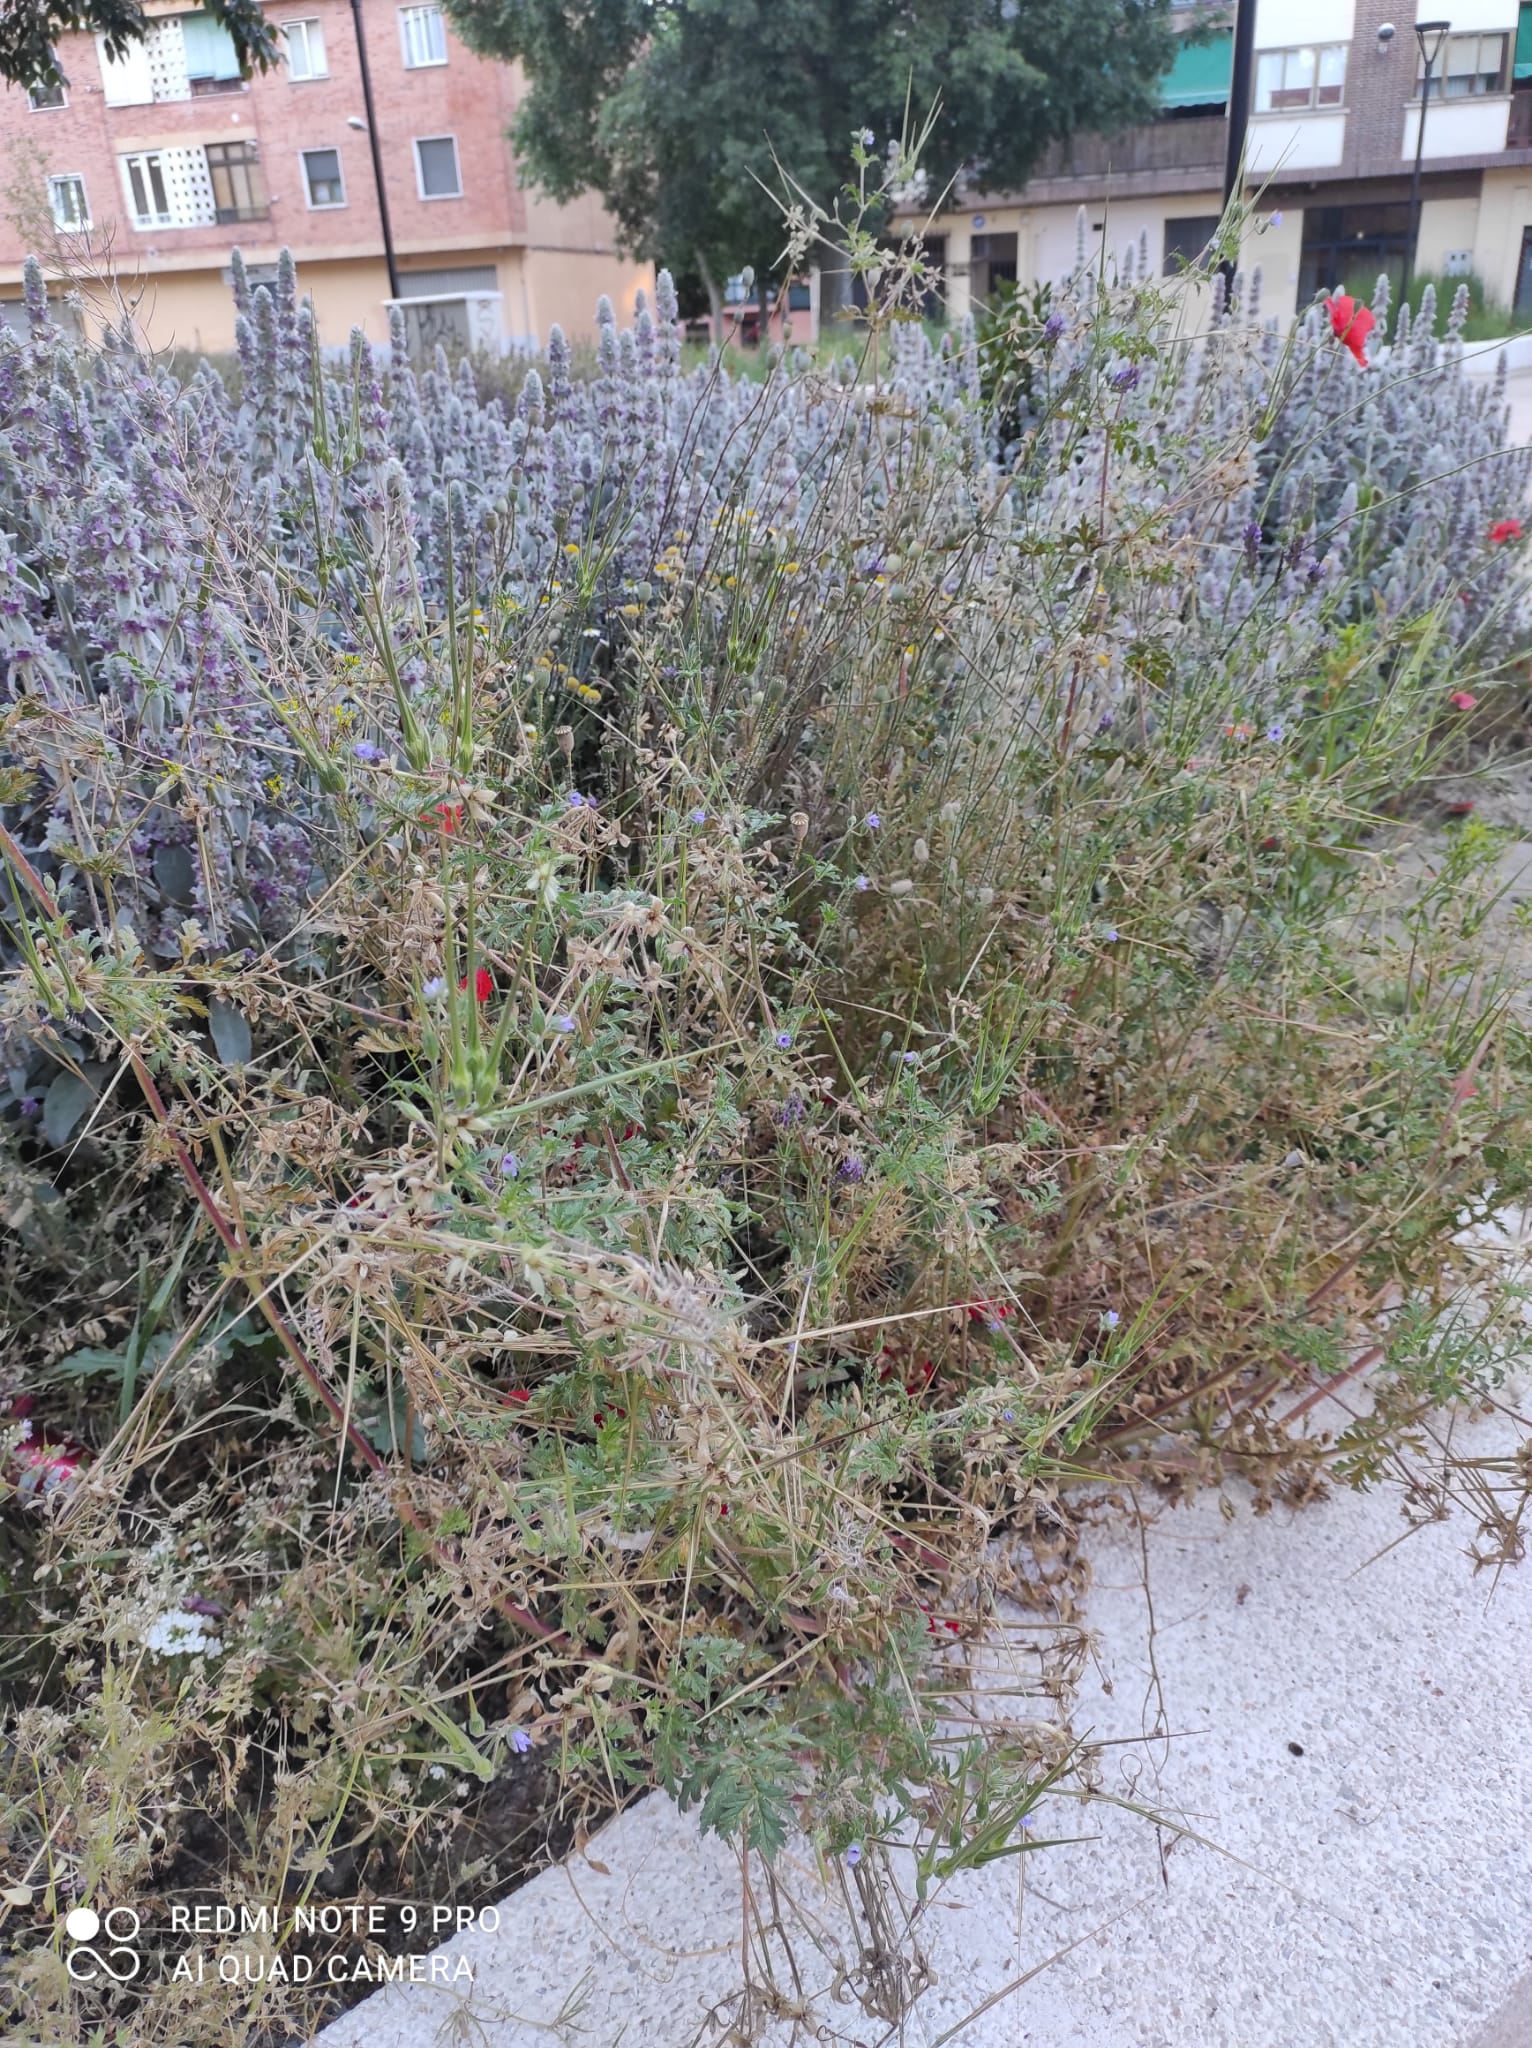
1332 137
140 176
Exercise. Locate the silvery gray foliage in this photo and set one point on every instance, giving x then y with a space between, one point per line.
169 552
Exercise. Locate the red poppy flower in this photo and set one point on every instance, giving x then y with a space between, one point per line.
483 984
1462 700
1504 530
448 816
1351 324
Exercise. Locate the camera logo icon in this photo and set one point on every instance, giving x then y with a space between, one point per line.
118 1927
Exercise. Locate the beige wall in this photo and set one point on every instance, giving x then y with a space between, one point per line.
1505 209
194 309
1447 227
564 285
1047 240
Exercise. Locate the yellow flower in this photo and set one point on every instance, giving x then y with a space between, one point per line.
789 568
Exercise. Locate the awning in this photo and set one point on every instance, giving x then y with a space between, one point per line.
210 51
1201 73
1523 66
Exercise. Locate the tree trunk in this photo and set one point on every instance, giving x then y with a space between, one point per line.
834 286
714 298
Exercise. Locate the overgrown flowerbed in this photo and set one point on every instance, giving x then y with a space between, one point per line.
631 1028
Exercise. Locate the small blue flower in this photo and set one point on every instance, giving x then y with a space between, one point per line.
521 1741
867 138
861 883
851 1168
911 1059
784 1039
1008 1415
854 1854
563 1022
1110 1320
510 1166
432 988
364 750
699 817
575 801
1274 733
873 822
1110 935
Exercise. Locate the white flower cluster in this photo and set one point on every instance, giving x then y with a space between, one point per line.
180 1634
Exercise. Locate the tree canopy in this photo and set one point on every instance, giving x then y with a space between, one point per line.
30 29
680 112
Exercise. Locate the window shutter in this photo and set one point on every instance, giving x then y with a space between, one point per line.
127 81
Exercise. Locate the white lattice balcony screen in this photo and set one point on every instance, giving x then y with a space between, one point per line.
169 188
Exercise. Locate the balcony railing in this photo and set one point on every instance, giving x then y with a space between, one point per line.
1192 145
231 216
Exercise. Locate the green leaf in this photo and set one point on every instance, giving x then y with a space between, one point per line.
231 1032
69 1096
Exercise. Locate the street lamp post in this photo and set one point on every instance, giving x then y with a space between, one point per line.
377 154
1430 35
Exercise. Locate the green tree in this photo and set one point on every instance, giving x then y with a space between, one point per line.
30 29
686 114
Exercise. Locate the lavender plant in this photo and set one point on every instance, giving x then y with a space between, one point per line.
635 1024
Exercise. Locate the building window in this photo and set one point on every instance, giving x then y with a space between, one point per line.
209 56
169 188
423 32
305 50
66 201
239 185
1466 68
1189 243
1293 81
436 168
41 97
322 181
148 200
